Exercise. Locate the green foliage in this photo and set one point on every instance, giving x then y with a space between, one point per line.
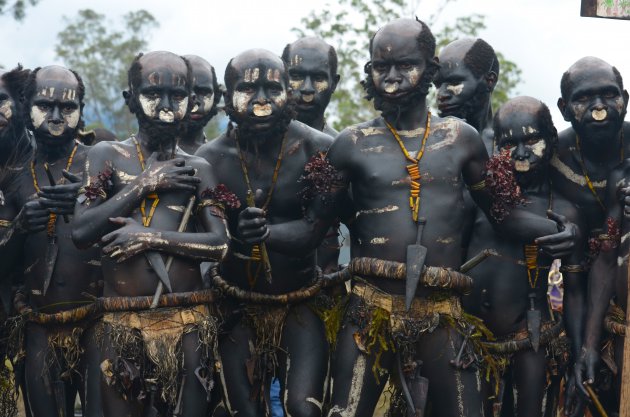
350 24
17 9
101 53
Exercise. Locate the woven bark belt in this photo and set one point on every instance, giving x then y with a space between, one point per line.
520 340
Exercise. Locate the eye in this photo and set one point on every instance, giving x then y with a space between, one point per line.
44 106
296 77
532 141
379 67
508 144
275 91
179 96
67 109
405 66
581 98
152 95
320 78
610 94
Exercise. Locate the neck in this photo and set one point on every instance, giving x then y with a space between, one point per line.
412 117
269 146
317 123
194 137
52 153
166 149
533 181
482 118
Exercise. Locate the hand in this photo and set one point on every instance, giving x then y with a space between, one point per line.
169 175
586 366
561 244
252 225
626 202
575 398
60 199
130 240
33 217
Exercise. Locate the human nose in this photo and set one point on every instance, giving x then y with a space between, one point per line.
55 116
599 104
165 103
521 152
443 93
392 74
261 96
307 86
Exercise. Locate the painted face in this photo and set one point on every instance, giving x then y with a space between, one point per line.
520 133
457 89
7 108
397 64
259 92
596 106
162 94
203 87
311 80
55 110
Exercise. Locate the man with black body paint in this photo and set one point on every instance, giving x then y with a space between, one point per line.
368 158
60 359
135 196
264 152
206 97
504 282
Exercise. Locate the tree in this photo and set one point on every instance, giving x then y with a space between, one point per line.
17 9
349 26
101 53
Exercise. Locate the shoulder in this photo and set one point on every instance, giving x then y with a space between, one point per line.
354 133
330 131
314 139
213 148
108 149
620 175
566 143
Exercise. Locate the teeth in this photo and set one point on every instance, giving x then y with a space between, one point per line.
521 166
599 115
307 98
391 87
262 110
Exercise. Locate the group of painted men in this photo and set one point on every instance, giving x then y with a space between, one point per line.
153 282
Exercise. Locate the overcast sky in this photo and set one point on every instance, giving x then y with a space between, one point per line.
544 37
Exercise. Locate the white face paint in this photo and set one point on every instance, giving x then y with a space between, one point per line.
38 116
521 166
619 103
166 116
56 129
148 105
262 110
251 75
321 86
182 108
68 94
72 118
5 109
391 88
538 148
273 75
280 99
240 101
456 89
307 98
296 84
579 110
599 114
207 102
414 76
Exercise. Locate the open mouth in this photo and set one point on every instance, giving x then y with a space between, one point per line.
448 108
196 116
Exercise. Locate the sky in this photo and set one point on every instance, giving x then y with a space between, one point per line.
544 37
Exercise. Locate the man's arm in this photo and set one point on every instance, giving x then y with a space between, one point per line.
211 245
299 237
92 215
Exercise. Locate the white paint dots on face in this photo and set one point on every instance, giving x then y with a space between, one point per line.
528 130
149 105
68 94
414 76
38 116
578 111
538 148
207 101
182 108
72 118
240 101
47 92
456 89
321 86
296 84
5 109
280 99
251 75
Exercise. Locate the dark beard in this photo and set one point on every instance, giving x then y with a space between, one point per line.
246 128
392 109
161 136
15 149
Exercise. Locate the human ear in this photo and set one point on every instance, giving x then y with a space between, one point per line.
562 106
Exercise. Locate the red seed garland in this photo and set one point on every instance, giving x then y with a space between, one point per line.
222 195
99 185
319 178
501 182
